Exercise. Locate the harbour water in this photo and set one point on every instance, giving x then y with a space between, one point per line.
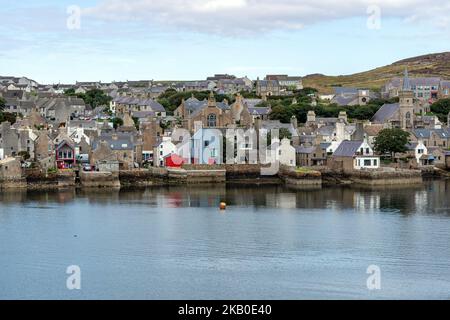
270 243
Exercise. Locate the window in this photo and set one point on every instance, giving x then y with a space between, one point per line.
367 163
375 163
367 150
212 120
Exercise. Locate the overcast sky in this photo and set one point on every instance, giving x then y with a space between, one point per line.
192 39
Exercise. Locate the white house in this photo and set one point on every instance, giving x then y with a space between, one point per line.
419 150
283 152
163 150
79 134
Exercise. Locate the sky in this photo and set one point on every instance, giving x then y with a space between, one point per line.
65 41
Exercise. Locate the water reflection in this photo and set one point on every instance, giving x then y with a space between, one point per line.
430 198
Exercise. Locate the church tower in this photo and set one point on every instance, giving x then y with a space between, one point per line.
406 95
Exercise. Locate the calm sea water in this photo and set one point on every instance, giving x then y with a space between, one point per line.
271 243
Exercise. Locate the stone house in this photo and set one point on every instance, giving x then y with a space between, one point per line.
287 82
444 92
43 146
433 137
447 159
266 88
311 156
114 148
438 156
9 140
240 112
10 169
210 113
151 132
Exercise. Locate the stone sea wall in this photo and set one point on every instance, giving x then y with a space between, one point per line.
38 180
301 178
397 177
99 179
216 175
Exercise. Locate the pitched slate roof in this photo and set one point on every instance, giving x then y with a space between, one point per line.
251 103
344 100
373 130
345 90
123 142
192 104
426 133
143 114
348 148
156 106
305 150
445 84
259 111
412 145
326 130
385 112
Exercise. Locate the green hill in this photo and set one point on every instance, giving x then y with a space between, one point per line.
431 65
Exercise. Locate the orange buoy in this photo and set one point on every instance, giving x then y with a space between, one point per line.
223 206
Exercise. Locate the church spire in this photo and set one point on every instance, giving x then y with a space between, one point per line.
406 83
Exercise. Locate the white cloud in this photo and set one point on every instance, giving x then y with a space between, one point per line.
234 17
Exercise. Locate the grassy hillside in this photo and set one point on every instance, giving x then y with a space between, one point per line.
429 65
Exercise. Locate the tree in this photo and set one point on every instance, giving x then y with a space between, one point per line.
70 92
7 117
136 122
441 108
94 98
25 155
2 104
391 141
117 122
